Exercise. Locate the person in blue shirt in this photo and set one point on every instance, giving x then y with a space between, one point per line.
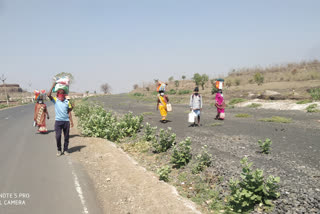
62 108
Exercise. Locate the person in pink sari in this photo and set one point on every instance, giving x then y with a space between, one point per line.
220 105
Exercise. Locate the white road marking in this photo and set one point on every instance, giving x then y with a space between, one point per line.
78 188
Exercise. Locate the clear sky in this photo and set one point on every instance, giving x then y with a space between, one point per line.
123 42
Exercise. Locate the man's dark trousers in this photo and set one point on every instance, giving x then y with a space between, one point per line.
58 127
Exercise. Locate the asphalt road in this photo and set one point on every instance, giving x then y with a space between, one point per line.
32 179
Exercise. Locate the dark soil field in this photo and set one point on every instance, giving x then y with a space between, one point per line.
295 150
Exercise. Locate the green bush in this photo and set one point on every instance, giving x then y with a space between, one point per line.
214 90
315 93
237 82
312 108
137 94
236 100
243 115
172 91
254 105
258 78
149 132
163 173
277 119
155 93
181 92
165 141
265 146
252 189
304 101
203 160
96 122
182 153
176 83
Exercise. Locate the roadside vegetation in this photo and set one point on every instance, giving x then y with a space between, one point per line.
276 119
176 163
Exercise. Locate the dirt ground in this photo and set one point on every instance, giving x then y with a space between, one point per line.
122 185
295 149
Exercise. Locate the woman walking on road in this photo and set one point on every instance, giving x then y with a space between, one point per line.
162 105
41 112
220 105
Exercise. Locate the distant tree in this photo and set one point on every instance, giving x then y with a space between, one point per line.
95 92
64 74
228 83
105 88
171 79
176 83
155 80
147 88
87 92
258 78
204 79
183 77
197 79
135 86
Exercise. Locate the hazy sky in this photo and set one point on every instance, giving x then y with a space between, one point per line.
133 41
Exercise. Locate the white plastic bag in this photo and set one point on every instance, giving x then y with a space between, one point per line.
191 117
169 107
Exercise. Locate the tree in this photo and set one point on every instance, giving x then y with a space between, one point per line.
135 86
204 79
171 79
258 78
183 77
65 74
176 83
197 78
105 88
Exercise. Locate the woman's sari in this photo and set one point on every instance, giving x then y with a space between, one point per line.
163 106
40 112
220 106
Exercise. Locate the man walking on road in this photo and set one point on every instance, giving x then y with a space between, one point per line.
196 104
62 108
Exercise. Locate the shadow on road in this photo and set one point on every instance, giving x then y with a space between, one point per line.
75 149
45 133
74 135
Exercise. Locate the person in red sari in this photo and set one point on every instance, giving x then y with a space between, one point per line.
40 114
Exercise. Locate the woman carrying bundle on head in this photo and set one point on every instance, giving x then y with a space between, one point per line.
220 105
162 105
40 111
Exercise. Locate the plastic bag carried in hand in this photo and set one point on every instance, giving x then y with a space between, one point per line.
191 117
62 83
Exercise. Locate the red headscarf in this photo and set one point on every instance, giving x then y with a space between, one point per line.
61 95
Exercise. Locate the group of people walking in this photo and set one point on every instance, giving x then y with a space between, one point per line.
195 105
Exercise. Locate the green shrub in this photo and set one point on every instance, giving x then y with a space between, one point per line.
312 108
244 115
163 173
254 105
149 132
237 82
3 106
172 91
258 78
214 90
182 153
277 119
203 160
181 92
315 93
96 122
304 101
265 146
176 83
164 142
252 189
155 93
236 101
137 94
